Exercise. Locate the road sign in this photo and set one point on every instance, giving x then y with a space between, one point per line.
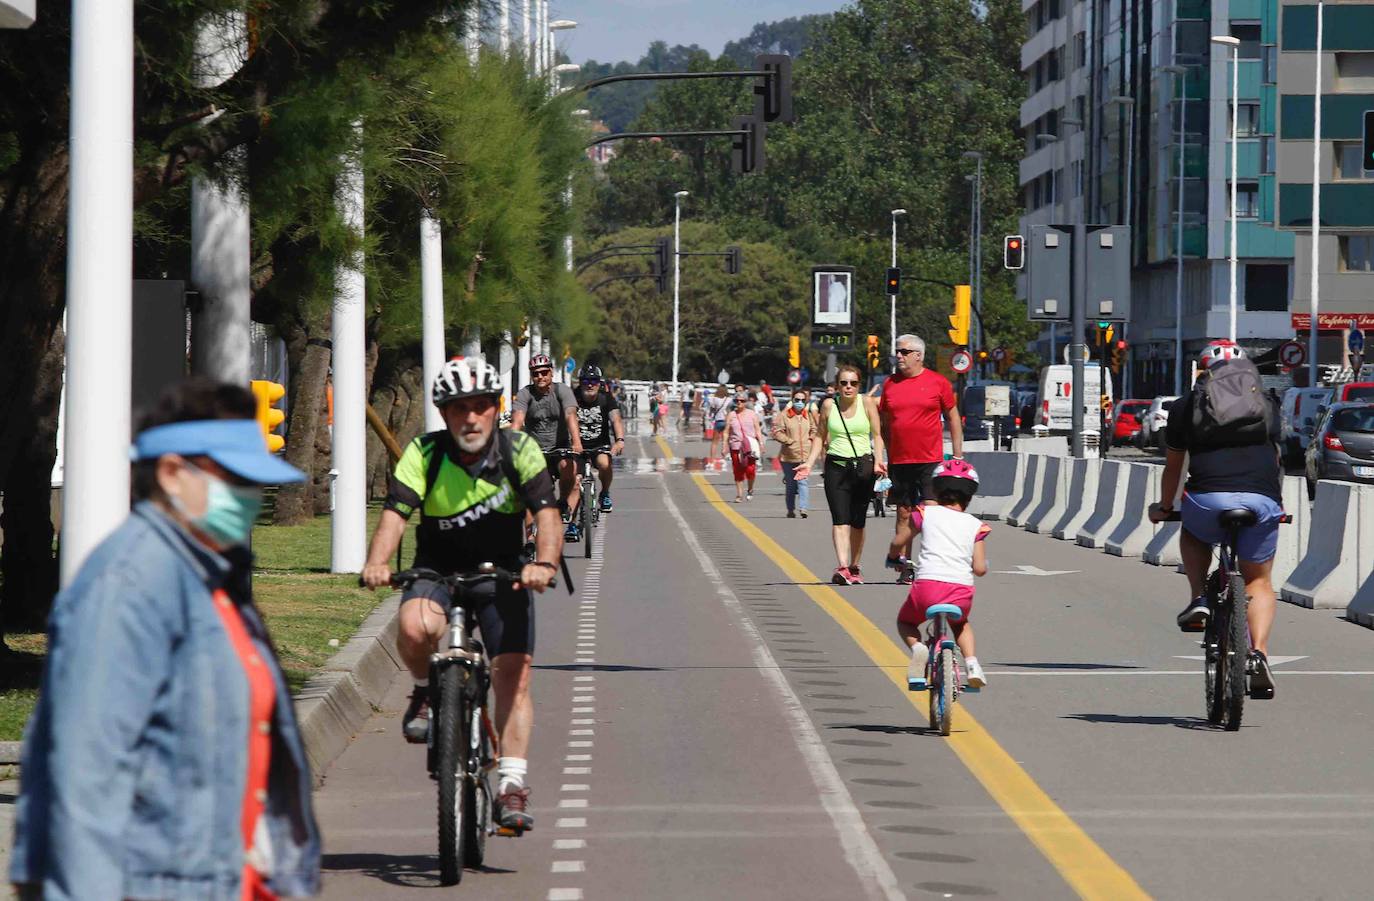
1087 354
1291 354
570 365
999 354
1355 341
794 377
961 361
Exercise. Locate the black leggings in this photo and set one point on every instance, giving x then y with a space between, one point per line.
848 495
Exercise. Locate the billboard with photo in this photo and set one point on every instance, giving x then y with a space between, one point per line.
832 298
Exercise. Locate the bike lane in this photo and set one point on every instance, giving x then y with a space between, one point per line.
1096 696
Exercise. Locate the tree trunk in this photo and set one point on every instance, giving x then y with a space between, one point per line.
295 503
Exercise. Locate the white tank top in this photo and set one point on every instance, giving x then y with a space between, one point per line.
947 540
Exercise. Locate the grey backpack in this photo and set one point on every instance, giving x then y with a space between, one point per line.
1230 408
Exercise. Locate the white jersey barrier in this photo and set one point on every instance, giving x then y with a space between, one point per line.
1111 490
1132 530
1057 446
1293 537
1082 494
1054 493
1028 491
1334 568
998 474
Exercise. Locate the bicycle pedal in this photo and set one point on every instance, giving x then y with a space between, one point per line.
916 685
1191 627
970 689
507 832
1261 694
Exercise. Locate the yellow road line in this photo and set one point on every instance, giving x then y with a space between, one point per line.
1080 860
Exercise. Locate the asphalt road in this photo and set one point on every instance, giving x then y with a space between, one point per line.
714 721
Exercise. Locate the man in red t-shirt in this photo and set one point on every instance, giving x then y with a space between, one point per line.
913 401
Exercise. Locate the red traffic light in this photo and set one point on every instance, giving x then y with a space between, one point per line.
1121 344
1014 244
1014 252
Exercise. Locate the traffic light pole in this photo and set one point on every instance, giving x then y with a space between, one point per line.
1078 313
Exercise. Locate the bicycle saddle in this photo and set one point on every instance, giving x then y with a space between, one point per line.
1238 519
950 610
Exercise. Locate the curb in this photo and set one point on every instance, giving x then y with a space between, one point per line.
9 752
334 704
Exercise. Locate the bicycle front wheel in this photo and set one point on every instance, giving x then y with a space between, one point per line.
452 753
1237 654
1213 646
946 689
476 791
587 502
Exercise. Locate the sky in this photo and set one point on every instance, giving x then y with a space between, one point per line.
614 30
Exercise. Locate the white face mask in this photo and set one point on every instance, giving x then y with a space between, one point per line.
799 405
230 510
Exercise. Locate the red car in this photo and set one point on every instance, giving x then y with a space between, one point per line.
1126 425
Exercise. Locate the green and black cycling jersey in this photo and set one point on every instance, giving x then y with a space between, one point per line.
470 513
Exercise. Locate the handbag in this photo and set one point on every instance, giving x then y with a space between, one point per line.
863 466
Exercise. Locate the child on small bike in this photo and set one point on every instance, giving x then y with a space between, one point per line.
952 553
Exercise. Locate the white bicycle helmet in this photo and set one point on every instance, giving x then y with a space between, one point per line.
1220 351
461 377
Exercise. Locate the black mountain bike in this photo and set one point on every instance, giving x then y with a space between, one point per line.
1227 660
463 746
587 513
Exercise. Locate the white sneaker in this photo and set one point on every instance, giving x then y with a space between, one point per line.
916 670
976 677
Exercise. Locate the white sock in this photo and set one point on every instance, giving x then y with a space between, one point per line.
512 771
422 683
971 661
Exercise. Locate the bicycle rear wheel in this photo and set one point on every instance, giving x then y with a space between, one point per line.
1238 653
588 501
452 753
1213 646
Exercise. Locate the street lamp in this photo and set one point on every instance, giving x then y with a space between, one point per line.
1234 43
1041 141
550 45
976 250
893 321
677 275
1180 73
1312 329
1128 104
564 69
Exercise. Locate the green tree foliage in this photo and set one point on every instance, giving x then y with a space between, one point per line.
790 36
620 104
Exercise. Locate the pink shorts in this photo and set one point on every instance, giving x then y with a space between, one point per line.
926 593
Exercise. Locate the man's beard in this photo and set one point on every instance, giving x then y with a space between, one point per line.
471 442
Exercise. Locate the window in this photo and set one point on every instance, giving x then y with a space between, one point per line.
1354 72
1357 253
1080 106
1036 201
1269 64
1052 12
1349 161
1076 175
1052 66
1249 39
1247 201
1080 50
1267 155
1266 287
1248 125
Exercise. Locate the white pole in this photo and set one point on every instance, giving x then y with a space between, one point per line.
1235 110
220 243
527 30
505 363
568 238
348 524
472 344
892 317
543 22
431 312
522 362
503 27
100 227
677 277
1178 236
1313 370
978 255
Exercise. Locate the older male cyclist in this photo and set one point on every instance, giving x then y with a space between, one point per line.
472 484
548 412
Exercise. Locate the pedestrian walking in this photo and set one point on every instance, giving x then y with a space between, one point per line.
913 402
163 759
795 429
717 407
658 407
744 437
689 398
848 435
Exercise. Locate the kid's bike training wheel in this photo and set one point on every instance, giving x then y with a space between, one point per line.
451 750
946 689
476 792
1213 646
1237 656
586 504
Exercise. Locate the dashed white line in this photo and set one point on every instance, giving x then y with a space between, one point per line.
581 744
583 699
574 787
571 803
569 844
577 771
584 722
584 679
565 894
581 731
577 757
584 710
568 866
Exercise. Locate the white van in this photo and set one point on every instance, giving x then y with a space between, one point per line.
1298 414
1056 389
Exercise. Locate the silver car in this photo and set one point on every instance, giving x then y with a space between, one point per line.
1342 445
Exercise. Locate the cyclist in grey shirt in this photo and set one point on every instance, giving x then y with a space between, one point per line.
548 413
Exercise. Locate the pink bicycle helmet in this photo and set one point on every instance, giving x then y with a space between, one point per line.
956 475
1220 351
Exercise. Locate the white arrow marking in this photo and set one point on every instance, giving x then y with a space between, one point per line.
1023 569
1273 661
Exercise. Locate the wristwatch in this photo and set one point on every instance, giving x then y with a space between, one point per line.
551 566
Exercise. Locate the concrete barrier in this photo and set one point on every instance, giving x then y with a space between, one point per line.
1111 491
1078 503
1338 562
998 476
1054 490
1028 491
1057 446
1133 530
1162 549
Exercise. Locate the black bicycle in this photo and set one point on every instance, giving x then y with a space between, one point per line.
587 513
463 747
1227 658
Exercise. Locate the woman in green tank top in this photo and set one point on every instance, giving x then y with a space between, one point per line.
848 433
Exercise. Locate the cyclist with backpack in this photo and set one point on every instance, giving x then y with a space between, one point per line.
472 483
1227 431
548 412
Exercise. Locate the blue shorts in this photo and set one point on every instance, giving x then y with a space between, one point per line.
1257 543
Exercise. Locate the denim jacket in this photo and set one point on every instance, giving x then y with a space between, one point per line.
136 758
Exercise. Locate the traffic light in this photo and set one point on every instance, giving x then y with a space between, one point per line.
774 89
746 152
982 356
959 319
874 358
794 351
268 394
661 263
1105 332
1119 355
732 259
1367 161
1014 252
894 281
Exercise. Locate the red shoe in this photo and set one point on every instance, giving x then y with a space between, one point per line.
841 576
854 577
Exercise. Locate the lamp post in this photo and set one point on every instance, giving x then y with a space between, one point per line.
1128 104
977 247
1180 73
1051 138
893 320
550 45
1234 43
1312 373
677 275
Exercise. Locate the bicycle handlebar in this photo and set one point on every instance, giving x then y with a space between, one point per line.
487 572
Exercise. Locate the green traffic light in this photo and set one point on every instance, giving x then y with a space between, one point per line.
1104 325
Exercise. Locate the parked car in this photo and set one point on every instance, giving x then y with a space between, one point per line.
1055 404
1152 425
1298 417
1126 426
1342 445
1361 391
977 421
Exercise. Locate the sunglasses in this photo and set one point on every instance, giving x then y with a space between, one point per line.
848 384
903 351
541 372
589 384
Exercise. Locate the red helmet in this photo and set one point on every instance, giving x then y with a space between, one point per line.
540 361
956 475
1220 351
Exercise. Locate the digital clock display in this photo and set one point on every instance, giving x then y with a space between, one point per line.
827 341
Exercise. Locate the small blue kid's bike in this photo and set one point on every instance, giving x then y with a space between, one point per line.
943 673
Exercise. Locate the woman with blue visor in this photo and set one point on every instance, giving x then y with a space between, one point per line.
163 760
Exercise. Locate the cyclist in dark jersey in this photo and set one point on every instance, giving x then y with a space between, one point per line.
472 484
598 417
548 412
